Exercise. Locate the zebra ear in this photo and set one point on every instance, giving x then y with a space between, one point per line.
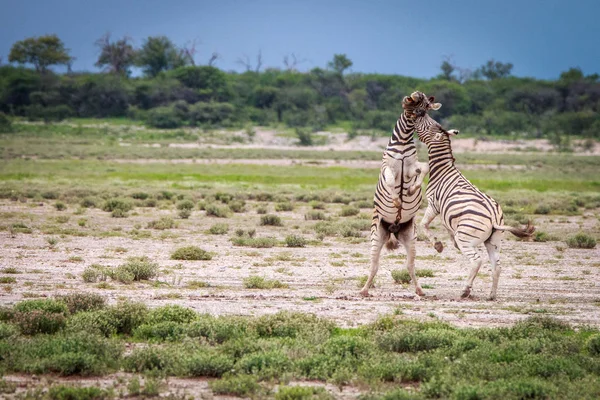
436 106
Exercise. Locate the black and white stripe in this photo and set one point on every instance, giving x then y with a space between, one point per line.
398 193
470 216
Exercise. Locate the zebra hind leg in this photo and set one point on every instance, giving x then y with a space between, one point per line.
430 214
379 237
408 237
493 248
470 251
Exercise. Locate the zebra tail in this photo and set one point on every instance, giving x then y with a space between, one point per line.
521 233
392 243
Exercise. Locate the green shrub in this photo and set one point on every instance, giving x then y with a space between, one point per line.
304 136
268 364
302 393
94 273
424 340
218 329
163 118
284 206
88 202
98 322
542 209
259 282
46 305
60 206
5 123
7 331
191 253
151 358
400 276
140 195
295 241
315 216
219 229
208 364
260 243
217 211
162 223
593 345
237 206
289 324
184 214
7 279
349 211
185 205
118 213
19 227
63 392
171 313
162 331
581 241
77 302
36 321
113 204
271 220
235 385
140 267
126 316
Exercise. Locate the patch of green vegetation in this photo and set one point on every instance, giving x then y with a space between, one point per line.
191 253
259 282
581 241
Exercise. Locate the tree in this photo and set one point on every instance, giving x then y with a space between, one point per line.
340 63
116 57
159 54
495 69
42 52
447 70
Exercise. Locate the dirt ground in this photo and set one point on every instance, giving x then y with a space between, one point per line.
537 278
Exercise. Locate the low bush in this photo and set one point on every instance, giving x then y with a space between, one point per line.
581 241
208 364
77 302
236 385
171 313
315 216
270 220
349 211
140 267
284 206
295 241
400 276
64 392
162 223
36 322
113 204
185 205
46 305
259 282
263 242
214 210
163 118
191 253
219 229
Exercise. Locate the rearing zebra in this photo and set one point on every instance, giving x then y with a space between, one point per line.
398 193
470 216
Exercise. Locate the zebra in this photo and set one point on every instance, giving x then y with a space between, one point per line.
470 216
398 193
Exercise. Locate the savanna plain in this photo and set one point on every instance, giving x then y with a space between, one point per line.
137 262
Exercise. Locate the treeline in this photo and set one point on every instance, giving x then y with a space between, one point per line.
173 93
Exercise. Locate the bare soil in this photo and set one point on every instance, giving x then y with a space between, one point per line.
537 278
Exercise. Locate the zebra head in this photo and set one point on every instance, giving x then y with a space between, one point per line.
430 131
417 104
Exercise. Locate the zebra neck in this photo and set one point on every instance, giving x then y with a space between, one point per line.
440 158
402 137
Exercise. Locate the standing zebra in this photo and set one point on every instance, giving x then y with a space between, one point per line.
398 194
470 216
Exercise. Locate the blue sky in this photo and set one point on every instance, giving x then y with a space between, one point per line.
541 38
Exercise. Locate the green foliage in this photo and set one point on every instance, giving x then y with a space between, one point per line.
158 53
217 211
191 253
37 321
162 223
236 385
270 220
77 302
219 229
581 241
295 241
400 276
164 118
140 268
42 52
64 392
259 282
5 123
46 305
123 205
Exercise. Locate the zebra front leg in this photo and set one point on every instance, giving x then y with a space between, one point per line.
408 238
422 169
390 184
430 214
378 238
493 248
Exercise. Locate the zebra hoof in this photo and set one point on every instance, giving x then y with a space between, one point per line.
438 246
365 293
420 292
466 293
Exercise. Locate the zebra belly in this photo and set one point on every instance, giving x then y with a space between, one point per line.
410 206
